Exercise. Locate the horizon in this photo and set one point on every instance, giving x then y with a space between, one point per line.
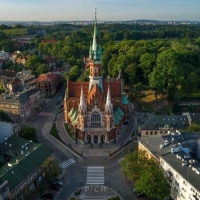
128 10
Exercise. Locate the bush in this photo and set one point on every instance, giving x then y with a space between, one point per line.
54 132
114 198
69 131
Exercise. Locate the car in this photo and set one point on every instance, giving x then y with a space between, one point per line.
77 191
47 196
58 183
55 187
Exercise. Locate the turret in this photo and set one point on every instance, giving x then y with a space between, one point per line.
108 106
82 104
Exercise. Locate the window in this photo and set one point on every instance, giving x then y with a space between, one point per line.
155 132
146 132
151 133
95 119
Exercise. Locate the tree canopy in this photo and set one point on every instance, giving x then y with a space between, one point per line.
29 133
147 174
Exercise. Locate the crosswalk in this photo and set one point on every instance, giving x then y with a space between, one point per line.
47 114
67 163
95 176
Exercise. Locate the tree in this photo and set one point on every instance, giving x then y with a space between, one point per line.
73 73
42 69
153 183
194 127
134 164
51 168
29 133
4 116
138 88
147 174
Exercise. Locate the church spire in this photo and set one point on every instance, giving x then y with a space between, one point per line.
108 106
82 105
95 48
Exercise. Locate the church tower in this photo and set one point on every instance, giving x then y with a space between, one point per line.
95 55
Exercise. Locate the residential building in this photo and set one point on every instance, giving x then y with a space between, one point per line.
24 169
21 60
96 110
192 117
4 190
4 55
159 124
175 151
49 83
21 106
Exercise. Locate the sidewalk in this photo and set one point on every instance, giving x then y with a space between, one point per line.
36 194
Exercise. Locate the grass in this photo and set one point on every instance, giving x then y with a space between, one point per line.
69 131
149 103
17 31
54 132
114 198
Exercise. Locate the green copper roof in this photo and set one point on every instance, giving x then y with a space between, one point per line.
75 122
116 122
95 49
22 166
71 112
117 116
124 99
120 112
74 116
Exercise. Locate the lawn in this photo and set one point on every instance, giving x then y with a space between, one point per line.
149 103
17 31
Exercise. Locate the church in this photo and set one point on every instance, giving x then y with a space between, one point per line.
96 110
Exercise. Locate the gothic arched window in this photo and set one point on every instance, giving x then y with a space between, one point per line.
95 119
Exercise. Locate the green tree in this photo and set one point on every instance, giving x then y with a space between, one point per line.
147 175
152 182
138 88
73 73
51 168
42 69
194 127
4 116
29 133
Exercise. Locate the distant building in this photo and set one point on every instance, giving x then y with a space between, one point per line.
24 170
160 124
4 190
49 83
51 62
48 41
22 106
4 55
192 117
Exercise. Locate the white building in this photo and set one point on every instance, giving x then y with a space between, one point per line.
172 151
4 55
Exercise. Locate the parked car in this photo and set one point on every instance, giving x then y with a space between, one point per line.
55 187
58 183
47 196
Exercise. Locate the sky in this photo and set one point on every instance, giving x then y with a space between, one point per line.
69 10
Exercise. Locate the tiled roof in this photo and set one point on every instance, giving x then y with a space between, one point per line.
74 89
115 88
8 73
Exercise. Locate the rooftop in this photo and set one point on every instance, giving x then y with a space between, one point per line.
157 122
161 147
31 156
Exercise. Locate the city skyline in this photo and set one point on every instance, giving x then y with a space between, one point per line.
69 10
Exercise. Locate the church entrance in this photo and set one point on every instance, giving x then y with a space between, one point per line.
95 139
102 139
88 139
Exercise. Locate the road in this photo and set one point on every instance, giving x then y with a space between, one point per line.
77 167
